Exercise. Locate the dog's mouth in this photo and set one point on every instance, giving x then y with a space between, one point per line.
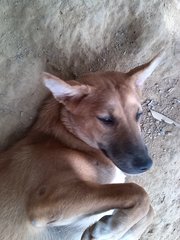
105 152
128 164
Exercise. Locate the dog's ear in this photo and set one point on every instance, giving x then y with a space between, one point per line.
64 91
139 74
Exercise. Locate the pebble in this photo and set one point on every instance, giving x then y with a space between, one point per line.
170 89
176 100
169 133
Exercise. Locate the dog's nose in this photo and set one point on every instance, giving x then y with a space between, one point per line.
142 163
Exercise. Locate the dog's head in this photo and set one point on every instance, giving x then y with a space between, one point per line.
103 109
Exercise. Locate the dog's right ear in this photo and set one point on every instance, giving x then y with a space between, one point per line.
138 75
62 90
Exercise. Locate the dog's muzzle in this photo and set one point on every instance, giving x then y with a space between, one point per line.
135 162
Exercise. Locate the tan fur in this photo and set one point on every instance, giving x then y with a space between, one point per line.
56 181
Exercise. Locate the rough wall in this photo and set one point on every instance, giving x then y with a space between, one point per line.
74 36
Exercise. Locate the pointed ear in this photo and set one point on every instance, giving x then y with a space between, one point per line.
62 90
141 73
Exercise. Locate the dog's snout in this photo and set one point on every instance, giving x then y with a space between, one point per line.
131 159
142 163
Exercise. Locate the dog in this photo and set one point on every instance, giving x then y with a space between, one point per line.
65 179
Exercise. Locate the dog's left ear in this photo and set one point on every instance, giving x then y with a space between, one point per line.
65 92
139 74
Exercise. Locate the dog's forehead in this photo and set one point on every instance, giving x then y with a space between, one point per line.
112 88
109 82
103 78
124 99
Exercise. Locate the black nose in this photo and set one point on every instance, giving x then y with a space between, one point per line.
142 163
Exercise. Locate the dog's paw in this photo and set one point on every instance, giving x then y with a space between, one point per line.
87 235
100 230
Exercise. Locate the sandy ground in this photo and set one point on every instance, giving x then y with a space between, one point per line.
70 37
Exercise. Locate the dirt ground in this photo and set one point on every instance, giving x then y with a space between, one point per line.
70 37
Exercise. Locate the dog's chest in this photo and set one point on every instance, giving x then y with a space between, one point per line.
118 176
109 174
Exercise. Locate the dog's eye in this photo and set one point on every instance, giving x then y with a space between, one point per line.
108 120
138 115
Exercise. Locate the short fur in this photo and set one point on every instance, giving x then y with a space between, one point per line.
57 182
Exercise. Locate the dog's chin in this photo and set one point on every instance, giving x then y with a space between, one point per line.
129 171
125 169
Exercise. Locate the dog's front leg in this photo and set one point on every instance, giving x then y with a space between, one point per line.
139 228
134 233
59 205
113 227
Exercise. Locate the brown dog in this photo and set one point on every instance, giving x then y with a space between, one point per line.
57 182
